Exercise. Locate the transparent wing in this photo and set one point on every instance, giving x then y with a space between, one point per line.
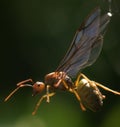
97 45
86 44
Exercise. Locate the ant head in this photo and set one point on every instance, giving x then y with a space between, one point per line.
38 87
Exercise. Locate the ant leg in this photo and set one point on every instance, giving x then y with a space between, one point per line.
107 89
41 99
82 107
79 99
65 84
78 79
57 84
76 94
100 85
72 90
85 77
47 93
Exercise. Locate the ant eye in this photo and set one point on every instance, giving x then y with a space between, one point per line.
38 85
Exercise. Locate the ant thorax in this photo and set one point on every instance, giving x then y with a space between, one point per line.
56 80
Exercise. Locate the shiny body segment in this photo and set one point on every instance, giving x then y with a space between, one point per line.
84 50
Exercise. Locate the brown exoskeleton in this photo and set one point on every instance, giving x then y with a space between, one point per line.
84 50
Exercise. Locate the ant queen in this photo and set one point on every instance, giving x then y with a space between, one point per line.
84 50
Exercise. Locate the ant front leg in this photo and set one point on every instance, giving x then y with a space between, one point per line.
47 95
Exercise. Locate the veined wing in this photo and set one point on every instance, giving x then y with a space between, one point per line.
97 45
86 44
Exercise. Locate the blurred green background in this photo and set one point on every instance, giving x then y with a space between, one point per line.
34 38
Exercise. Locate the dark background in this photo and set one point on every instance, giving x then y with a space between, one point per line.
34 38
